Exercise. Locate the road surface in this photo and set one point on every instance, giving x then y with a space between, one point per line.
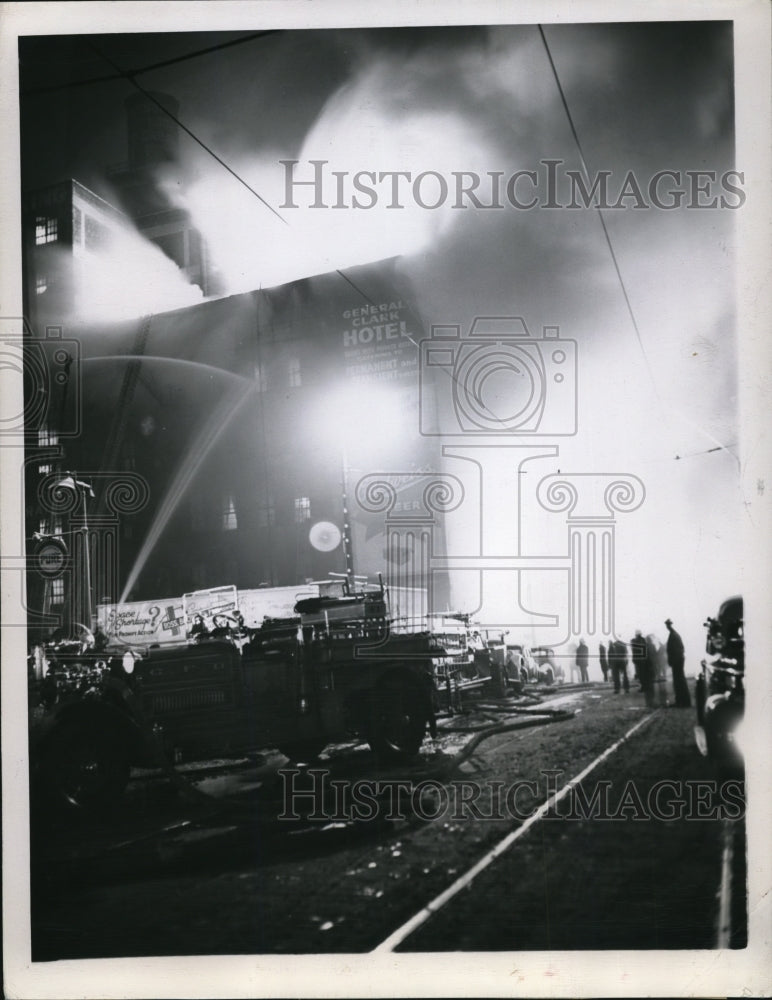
484 842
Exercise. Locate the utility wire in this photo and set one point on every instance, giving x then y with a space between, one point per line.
575 134
193 136
708 451
146 69
597 207
130 77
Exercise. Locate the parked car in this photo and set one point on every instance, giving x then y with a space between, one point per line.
550 668
720 688
531 668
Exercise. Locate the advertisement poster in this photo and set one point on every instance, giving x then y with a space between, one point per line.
466 303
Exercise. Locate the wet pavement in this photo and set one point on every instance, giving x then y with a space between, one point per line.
257 856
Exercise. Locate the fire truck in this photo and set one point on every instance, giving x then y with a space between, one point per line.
335 670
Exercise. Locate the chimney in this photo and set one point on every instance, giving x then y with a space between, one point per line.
153 137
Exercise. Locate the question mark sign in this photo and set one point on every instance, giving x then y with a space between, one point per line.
155 611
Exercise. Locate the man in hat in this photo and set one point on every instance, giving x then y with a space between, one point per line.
675 659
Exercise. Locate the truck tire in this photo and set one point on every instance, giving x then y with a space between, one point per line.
548 677
86 766
397 720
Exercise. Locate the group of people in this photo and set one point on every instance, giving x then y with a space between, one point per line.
223 627
646 665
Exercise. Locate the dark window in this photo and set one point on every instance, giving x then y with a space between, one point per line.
197 513
57 591
266 514
41 284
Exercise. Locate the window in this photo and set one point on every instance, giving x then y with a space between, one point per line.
302 509
57 591
229 522
261 378
46 229
294 372
43 526
57 526
41 284
47 437
43 470
266 514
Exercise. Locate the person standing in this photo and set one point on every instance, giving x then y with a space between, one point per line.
582 660
617 658
644 667
638 653
676 659
603 661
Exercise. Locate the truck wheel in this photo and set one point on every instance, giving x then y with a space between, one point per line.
398 721
303 751
86 766
549 677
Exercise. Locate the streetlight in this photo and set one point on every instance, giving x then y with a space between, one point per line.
363 419
70 482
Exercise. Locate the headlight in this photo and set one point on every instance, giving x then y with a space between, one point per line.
128 662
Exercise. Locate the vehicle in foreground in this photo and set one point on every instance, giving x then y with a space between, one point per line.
332 672
720 688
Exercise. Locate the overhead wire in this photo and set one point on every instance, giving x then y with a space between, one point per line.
720 445
34 91
597 207
154 100
130 77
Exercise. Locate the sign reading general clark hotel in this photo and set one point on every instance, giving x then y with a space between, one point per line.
379 342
